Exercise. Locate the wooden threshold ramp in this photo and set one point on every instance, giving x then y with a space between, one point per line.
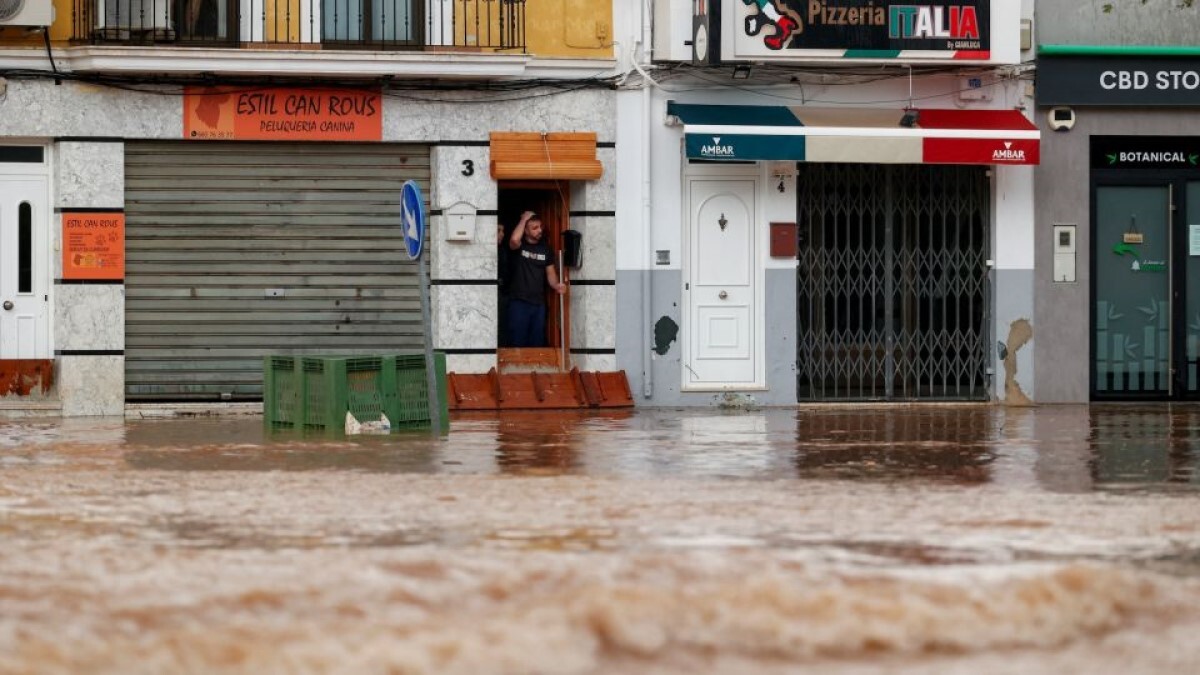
536 389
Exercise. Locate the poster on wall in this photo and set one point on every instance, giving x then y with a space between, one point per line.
282 114
93 246
863 29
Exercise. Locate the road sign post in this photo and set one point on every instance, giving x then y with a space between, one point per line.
412 222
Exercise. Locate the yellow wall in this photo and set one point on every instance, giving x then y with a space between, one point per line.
569 28
61 29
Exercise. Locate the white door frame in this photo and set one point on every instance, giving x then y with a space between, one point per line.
43 263
759 241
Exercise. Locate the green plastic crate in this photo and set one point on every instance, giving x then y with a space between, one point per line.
319 390
283 392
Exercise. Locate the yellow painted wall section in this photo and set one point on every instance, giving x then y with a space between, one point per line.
60 30
569 28
283 19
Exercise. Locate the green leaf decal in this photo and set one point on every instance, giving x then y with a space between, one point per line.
1131 350
1151 312
1123 248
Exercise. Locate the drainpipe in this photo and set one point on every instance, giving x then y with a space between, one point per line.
648 239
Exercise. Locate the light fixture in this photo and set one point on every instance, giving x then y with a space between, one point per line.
741 72
911 117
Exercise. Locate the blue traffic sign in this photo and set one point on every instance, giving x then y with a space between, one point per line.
412 219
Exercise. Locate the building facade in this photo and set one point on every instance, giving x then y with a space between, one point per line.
1118 193
835 204
186 188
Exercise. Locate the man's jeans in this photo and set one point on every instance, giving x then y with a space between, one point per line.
526 324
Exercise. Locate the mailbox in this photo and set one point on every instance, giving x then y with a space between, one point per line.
783 240
459 221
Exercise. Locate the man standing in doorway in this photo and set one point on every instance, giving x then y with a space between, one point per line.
531 268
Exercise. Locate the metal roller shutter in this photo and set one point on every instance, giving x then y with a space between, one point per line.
240 250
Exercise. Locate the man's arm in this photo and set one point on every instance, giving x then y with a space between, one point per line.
514 242
552 279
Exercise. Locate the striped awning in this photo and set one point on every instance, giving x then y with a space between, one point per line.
861 135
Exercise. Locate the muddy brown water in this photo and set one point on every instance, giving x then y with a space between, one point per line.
839 539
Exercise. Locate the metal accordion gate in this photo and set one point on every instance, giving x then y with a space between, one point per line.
893 282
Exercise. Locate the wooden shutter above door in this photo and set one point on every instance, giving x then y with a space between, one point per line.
550 156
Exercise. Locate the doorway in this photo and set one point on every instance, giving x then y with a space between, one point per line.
721 285
892 282
1145 326
24 262
551 202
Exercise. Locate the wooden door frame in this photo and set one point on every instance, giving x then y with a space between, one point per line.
554 207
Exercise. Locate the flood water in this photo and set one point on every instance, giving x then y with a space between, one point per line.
840 539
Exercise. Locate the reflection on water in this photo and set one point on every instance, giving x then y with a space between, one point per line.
542 443
1065 448
1146 446
941 443
287 457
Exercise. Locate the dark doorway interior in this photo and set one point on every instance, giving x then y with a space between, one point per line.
892 282
549 200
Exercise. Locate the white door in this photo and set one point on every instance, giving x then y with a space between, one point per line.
24 273
720 285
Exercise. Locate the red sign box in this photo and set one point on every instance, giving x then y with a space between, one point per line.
93 246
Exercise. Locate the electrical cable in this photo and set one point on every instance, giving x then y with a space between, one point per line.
667 79
49 53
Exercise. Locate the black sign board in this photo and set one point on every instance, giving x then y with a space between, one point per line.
1145 152
1110 80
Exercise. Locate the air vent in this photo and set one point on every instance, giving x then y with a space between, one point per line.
10 9
26 12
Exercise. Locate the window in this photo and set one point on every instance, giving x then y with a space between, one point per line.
368 21
22 154
24 248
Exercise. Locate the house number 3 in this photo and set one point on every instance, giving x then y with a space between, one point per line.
468 168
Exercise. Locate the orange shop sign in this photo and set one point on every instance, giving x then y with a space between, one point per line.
282 114
93 246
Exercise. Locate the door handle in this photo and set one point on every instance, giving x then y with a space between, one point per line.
8 304
722 295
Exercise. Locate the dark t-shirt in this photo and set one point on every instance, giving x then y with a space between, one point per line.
527 272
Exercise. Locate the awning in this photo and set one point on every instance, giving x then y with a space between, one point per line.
863 135
548 156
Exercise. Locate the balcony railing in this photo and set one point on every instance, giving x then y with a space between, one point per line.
302 24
